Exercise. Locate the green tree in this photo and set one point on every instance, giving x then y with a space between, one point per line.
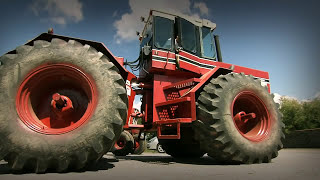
293 116
300 115
311 112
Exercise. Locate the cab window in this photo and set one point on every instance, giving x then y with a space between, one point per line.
163 33
188 36
207 43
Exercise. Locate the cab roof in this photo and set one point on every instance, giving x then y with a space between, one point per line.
194 20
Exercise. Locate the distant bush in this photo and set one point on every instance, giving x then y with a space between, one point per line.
300 115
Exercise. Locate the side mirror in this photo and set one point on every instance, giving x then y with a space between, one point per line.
138 33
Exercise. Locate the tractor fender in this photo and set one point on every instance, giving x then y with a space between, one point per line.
100 47
194 93
214 73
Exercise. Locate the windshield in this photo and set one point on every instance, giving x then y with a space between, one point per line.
163 33
188 36
207 43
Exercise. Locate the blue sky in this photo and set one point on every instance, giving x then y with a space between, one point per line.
281 37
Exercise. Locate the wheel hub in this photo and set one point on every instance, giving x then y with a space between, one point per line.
120 144
251 116
62 112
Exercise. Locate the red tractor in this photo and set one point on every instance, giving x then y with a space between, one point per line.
64 101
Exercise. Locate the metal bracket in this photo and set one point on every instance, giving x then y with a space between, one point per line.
175 136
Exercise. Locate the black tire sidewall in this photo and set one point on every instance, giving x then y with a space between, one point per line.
141 148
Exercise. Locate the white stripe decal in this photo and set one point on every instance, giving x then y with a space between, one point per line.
163 61
196 62
193 62
195 65
198 57
164 57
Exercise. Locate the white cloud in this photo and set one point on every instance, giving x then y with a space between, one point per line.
277 98
58 20
130 22
58 11
204 10
290 97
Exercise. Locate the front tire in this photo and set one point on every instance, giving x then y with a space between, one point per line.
238 120
33 138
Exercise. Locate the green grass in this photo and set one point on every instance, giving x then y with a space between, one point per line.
151 151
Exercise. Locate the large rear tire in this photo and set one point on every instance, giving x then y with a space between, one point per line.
31 137
225 128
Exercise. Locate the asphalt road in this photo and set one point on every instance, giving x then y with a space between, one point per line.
289 165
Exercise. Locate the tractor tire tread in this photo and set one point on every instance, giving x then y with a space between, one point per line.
96 143
210 130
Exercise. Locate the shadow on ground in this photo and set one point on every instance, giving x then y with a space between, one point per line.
166 160
102 164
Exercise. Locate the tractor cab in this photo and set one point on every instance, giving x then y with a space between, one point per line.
169 42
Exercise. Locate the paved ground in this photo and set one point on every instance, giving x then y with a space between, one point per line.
291 164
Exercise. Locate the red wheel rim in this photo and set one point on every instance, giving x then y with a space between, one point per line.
120 144
137 144
36 105
250 116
